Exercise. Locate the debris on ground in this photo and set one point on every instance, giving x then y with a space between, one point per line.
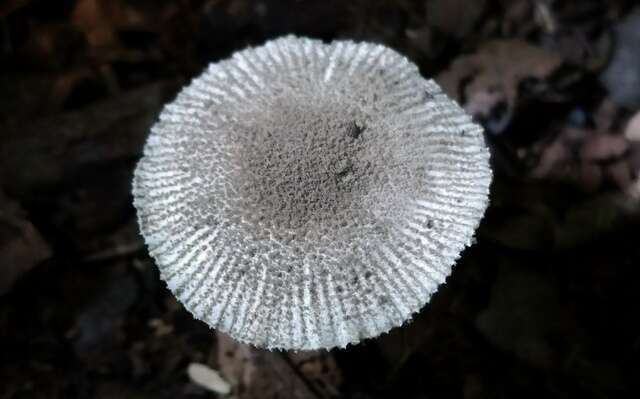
204 376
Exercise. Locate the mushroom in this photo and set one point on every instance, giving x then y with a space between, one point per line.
303 195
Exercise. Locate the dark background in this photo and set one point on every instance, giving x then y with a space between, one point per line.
544 305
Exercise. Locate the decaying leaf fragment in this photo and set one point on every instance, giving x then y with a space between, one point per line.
487 82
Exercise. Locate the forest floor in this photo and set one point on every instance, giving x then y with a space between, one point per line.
544 305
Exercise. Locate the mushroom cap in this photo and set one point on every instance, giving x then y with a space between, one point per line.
303 195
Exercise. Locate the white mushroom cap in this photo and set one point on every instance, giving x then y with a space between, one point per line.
302 195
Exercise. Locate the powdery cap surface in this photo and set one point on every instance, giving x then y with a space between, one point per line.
302 195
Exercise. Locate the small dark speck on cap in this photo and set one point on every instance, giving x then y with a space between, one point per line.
354 130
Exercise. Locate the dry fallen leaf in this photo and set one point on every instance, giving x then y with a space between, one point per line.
591 157
603 146
487 81
320 369
259 373
587 158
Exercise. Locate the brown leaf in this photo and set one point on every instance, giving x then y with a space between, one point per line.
552 155
602 146
320 369
588 158
259 373
486 82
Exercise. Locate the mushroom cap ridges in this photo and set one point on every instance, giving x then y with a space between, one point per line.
303 195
